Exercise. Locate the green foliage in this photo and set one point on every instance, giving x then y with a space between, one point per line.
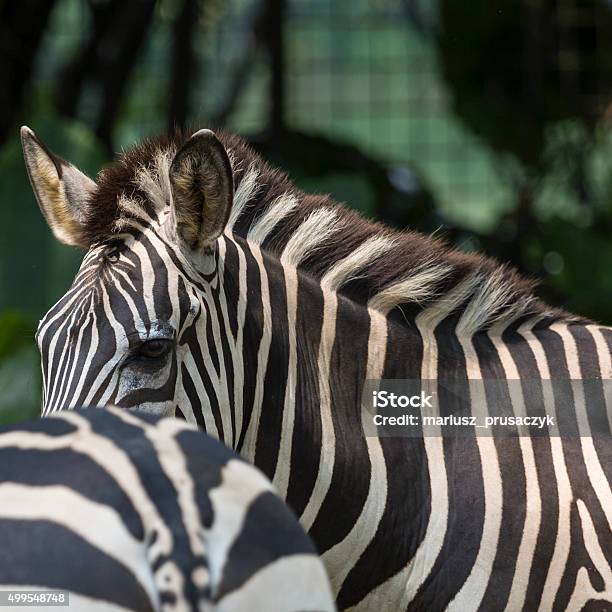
16 331
19 368
20 386
515 67
578 266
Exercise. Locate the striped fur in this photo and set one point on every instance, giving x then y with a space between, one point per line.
133 513
301 302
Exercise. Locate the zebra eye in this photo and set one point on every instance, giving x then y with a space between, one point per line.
154 349
112 255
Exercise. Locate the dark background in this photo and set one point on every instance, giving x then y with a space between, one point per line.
485 121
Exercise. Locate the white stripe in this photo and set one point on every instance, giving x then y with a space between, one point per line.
342 557
290 583
274 214
605 359
352 265
196 376
138 249
283 462
533 502
244 193
238 348
416 288
240 485
316 230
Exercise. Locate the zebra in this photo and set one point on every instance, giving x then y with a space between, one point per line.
128 511
214 289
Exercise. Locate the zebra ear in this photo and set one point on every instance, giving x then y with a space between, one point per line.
61 189
202 189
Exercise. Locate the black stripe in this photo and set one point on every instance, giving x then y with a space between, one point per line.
204 459
209 343
231 286
408 488
462 458
192 397
306 444
590 370
269 532
351 472
252 335
65 467
270 423
50 427
27 557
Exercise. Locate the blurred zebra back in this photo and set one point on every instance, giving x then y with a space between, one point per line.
126 511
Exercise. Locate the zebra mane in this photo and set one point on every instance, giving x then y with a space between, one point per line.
372 264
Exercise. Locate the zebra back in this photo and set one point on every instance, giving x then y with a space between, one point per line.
133 512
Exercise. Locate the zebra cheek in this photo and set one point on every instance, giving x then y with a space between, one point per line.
154 387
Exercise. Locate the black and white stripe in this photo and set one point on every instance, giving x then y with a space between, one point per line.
272 330
133 512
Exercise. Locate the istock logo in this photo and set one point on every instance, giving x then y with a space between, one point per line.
386 399
417 408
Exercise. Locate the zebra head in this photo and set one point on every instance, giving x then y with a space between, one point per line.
124 331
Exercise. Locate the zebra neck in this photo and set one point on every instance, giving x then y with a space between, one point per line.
298 350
